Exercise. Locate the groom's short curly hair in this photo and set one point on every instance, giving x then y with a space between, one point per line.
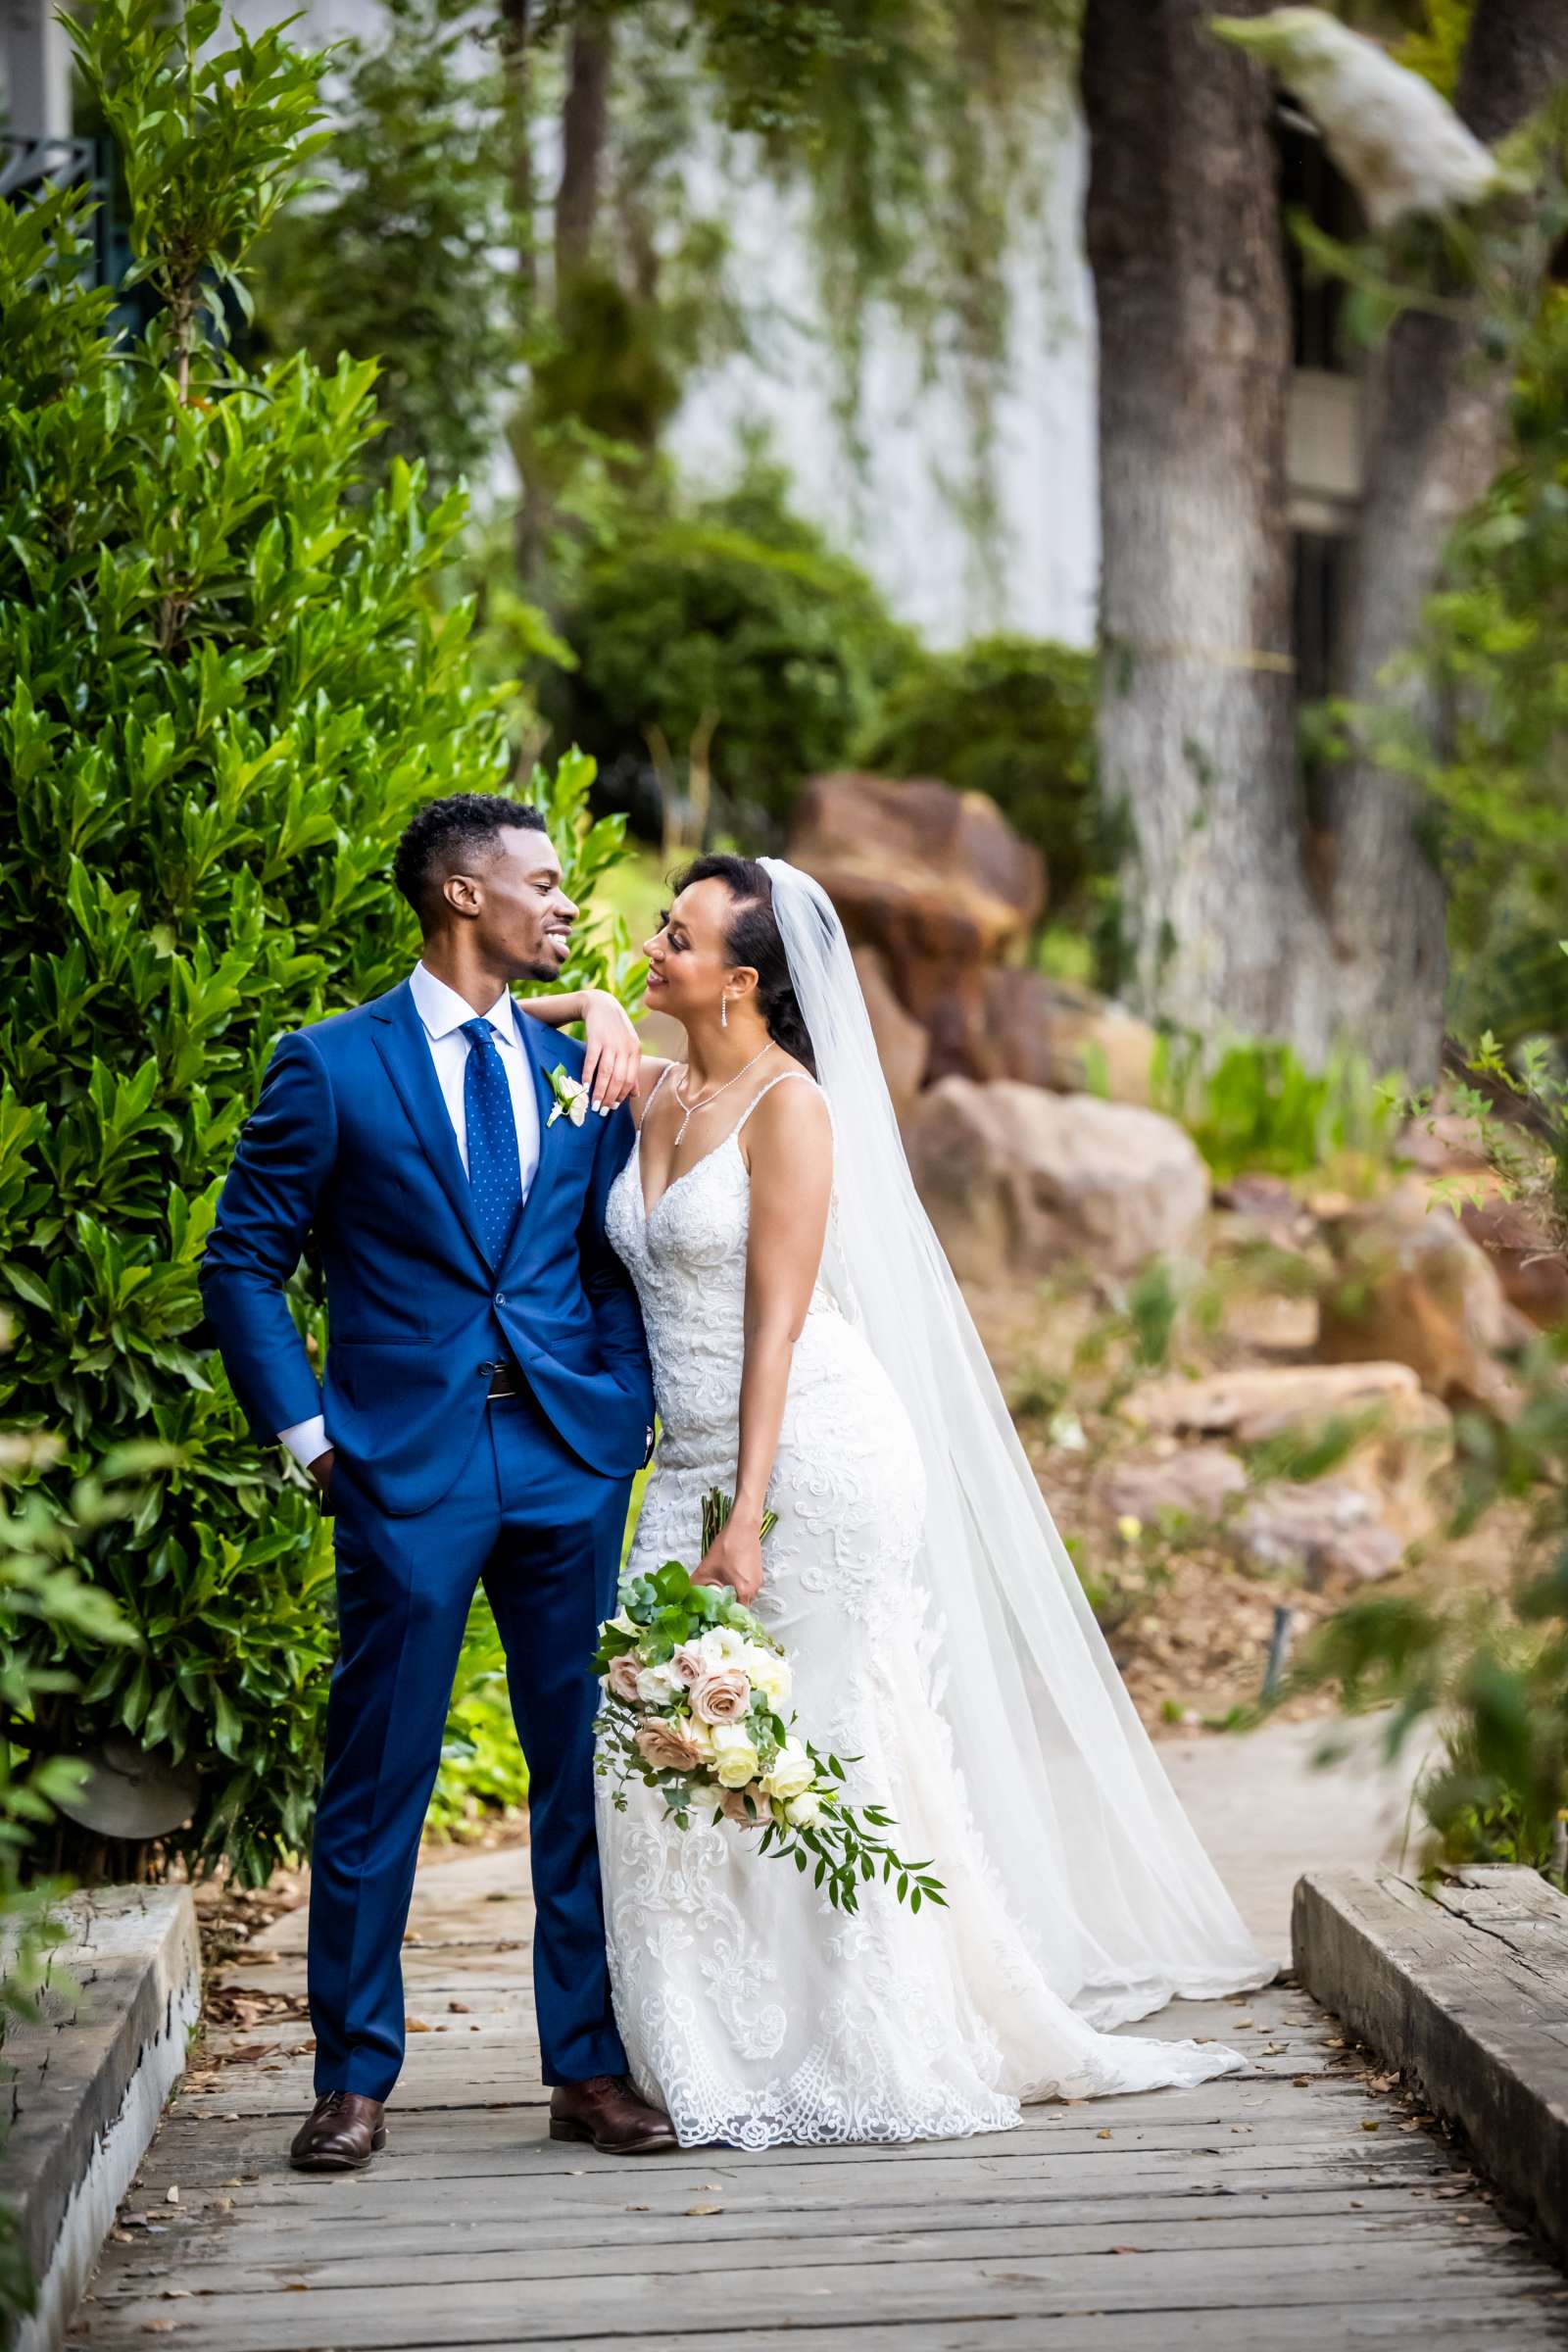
449 834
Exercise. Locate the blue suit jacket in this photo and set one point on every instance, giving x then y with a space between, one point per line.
351 1139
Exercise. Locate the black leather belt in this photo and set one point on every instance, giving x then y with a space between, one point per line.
505 1379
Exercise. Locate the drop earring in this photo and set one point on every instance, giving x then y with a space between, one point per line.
723 1012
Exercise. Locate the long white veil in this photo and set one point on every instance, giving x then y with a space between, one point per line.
1103 1871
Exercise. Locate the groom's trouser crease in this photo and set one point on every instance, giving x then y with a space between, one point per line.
542 1532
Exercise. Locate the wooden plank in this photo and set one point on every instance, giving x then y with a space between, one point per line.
369 2265
240 2256
588 2305
1404 2322
1463 1996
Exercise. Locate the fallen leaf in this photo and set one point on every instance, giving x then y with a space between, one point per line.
1124 2249
173 2294
1370 2124
693 2210
223 2204
158 2327
416 2024
639 2209
1302 2082
173 2197
461 2008
1104 2132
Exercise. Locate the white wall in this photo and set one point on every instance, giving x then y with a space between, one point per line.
899 516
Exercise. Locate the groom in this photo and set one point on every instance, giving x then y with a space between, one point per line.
486 1403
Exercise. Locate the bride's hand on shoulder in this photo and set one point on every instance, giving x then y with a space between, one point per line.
734 1558
613 1060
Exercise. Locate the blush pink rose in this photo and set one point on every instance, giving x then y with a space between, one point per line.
687 1666
732 1804
721 1696
666 1749
622 1676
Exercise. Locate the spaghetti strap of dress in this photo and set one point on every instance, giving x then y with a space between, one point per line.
782 1079
654 1095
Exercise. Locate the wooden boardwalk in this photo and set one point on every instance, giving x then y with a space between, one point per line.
1300 2204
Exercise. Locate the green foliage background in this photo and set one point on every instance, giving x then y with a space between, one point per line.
230 681
731 615
1014 717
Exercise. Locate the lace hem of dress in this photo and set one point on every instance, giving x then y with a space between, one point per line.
1105 2004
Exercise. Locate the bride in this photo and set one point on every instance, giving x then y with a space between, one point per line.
812 1354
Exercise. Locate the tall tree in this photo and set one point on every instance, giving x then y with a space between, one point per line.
1185 238
1439 424
1197 715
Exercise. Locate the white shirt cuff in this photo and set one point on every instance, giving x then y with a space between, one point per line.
306 1441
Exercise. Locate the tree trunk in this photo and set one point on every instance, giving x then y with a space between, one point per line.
584 134
517 82
1435 443
1196 712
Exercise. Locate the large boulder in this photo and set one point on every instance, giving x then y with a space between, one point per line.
902 1046
1048 1032
1400 1437
1524 1257
1019 1181
937 882
1195 1481
1409 1286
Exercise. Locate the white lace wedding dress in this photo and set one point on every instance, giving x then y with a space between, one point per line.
751 2009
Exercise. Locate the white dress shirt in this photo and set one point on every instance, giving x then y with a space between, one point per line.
443 1013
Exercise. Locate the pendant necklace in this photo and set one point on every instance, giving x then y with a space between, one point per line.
702 1101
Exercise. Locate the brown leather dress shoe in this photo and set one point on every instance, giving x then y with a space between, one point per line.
607 2112
343 2130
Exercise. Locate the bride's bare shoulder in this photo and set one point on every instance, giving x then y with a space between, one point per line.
788 1115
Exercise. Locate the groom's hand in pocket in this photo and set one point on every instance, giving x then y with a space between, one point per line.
321 1469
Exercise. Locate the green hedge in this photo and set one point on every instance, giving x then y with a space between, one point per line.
1015 717
229 684
729 620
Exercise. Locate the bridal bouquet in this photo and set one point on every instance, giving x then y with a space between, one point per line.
696 1694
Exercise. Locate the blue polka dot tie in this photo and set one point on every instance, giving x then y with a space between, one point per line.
494 1175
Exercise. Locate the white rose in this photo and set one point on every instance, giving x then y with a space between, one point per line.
791 1773
722 1645
803 1810
624 1624
735 1757
769 1673
701 1736
656 1685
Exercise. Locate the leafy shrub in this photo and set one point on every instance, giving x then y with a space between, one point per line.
1489 1672
1014 717
229 686
729 627
394 258
1256 1108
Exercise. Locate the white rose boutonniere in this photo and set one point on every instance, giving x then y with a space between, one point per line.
571 1096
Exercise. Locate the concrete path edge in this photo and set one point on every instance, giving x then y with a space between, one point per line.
87 2082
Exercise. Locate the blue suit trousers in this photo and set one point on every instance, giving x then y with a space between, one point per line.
542 1532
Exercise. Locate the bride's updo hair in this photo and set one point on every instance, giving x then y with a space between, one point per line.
751 936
